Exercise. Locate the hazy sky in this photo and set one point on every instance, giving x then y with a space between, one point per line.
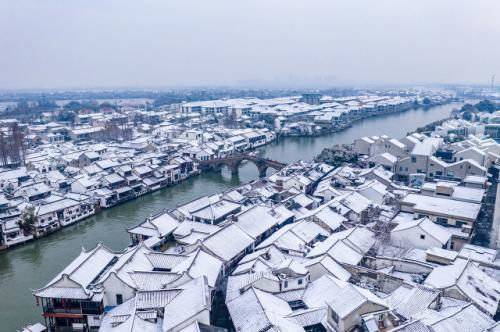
168 43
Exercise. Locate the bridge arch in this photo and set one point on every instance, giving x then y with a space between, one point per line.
234 162
261 167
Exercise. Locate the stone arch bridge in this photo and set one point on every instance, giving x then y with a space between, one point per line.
234 161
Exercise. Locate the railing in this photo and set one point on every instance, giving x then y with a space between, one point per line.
63 310
54 328
77 310
237 156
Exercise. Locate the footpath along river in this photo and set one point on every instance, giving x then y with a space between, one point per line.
32 265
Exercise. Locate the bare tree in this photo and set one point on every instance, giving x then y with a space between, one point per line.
27 220
12 145
3 149
18 143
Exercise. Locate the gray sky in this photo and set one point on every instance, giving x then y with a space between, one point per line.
168 43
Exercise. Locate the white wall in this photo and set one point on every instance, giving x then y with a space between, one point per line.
410 238
113 286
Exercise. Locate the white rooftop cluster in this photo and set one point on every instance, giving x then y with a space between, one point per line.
381 245
67 174
311 247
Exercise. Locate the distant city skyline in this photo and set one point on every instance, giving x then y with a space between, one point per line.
298 44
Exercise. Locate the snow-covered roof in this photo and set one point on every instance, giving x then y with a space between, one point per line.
330 265
467 278
194 298
78 275
348 246
56 206
443 206
199 263
409 300
161 226
456 318
257 220
350 297
428 226
256 310
228 242
478 253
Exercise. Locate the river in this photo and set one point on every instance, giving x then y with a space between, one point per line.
32 265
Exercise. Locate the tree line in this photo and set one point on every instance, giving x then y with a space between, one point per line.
115 132
12 145
467 111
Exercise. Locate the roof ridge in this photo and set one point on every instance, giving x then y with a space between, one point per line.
453 314
137 248
91 252
64 275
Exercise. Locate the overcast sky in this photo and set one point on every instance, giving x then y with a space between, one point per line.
169 43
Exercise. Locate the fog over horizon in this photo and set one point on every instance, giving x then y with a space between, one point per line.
58 44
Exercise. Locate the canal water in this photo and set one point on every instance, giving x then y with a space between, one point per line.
32 265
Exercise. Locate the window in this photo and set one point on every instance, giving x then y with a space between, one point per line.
420 216
335 317
443 221
285 284
422 236
413 159
300 281
119 299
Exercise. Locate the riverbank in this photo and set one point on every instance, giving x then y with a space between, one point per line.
340 154
97 209
398 125
34 264
96 206
323 129
431 126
